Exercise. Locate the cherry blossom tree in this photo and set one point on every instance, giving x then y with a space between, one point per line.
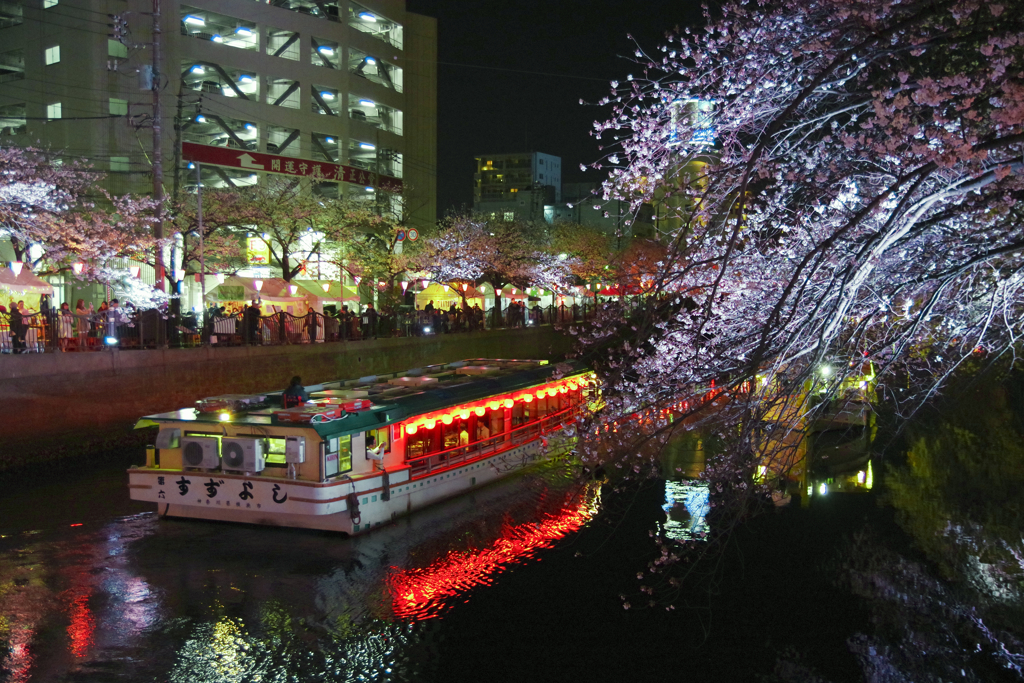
296 222
471 249
836 183
59 208
224 242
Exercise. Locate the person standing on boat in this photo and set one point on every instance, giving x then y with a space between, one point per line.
295 394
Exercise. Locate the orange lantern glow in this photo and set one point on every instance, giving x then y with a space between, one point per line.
410 429
447 419
429 424
541 394
528 398
480 410
494 405
563 389
572 386
464 414
509 403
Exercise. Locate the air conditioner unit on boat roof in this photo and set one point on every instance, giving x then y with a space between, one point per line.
200 451
243 454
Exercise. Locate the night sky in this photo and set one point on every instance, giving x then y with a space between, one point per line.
511 76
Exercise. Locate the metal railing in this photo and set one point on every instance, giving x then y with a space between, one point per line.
60 330
459 455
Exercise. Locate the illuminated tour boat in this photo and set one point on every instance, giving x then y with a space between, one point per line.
361 452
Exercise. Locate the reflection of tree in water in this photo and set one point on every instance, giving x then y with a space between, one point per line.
955 612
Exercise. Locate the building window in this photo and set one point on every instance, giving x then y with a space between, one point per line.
117 49
283 92
47 4
284 44
119 164
12 65
52 55
10 14
118 107
364 20
374 70
219 28
326 147
325 100
282 140
324 53
12 119
53 110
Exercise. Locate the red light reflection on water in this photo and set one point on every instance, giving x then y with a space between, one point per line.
82 626
424 593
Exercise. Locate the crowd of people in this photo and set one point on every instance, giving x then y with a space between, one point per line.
86 327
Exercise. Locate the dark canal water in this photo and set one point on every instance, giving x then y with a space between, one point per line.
519 582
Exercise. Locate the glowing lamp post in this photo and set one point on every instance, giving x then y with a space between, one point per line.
326 286
405 285
292 289
77 267
424 282
258 284
16 267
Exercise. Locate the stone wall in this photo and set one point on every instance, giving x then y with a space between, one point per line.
55 406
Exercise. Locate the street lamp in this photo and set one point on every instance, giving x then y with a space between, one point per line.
77 267
258 284
326 286
16 267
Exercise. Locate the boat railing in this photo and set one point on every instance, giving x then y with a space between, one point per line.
458 455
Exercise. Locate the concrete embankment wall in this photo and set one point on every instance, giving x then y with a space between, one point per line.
55 406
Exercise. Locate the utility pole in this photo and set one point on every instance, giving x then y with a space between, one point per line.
199 217
158 162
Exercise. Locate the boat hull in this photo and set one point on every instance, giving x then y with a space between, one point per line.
277 501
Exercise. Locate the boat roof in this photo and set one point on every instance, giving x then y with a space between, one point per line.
394 397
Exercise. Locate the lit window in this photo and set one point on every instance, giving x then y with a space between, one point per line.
53 110
116 49
118 107
47 4
52 55
119 164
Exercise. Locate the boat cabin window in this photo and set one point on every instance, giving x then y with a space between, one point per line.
461 432
378 437
275 452
338 455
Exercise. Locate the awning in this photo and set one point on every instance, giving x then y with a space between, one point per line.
238 288
335 290
26 282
